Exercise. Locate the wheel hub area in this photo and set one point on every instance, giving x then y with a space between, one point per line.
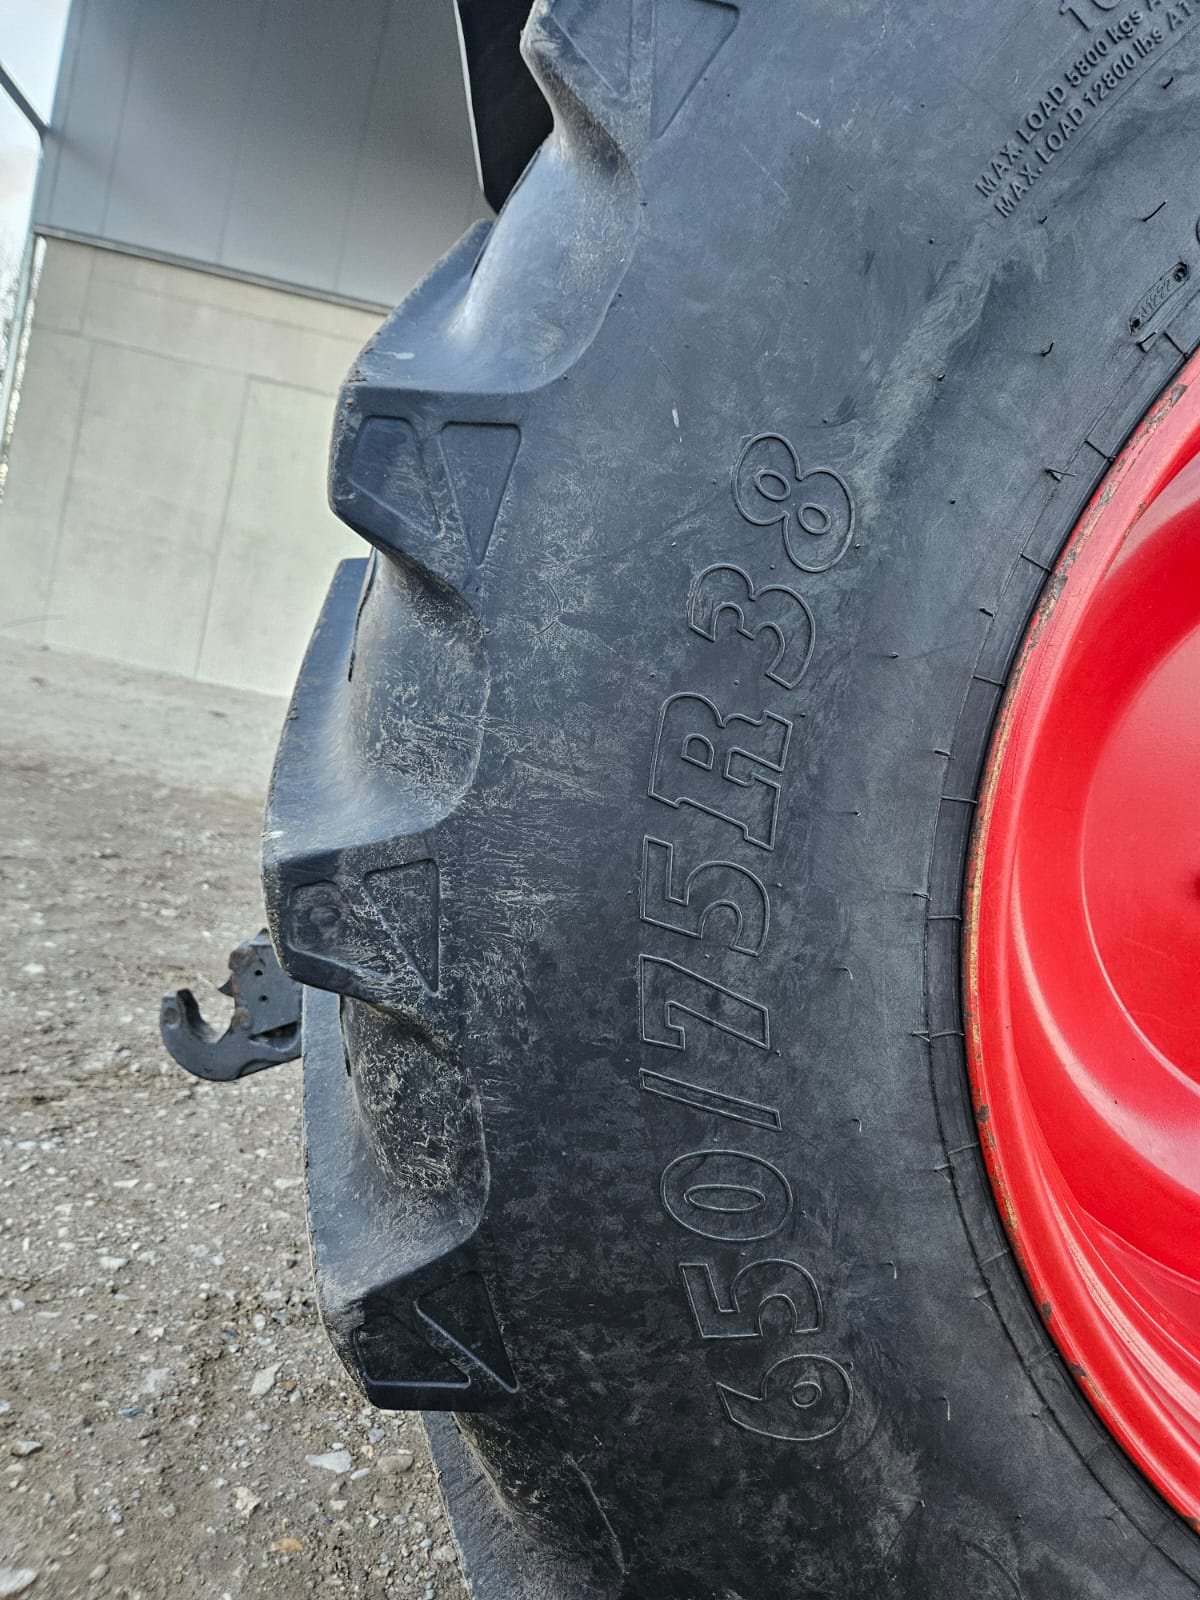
1139 861
1083 950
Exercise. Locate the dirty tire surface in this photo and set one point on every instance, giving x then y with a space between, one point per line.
163 1375
712 492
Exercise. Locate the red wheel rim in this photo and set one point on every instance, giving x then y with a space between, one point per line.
1083 951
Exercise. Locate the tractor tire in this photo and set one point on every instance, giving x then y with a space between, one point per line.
624 804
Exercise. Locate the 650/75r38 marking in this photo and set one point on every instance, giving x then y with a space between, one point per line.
732 766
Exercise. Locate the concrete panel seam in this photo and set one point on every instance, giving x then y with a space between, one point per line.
68 479
271 322
223 525
208 366
214 269
295 388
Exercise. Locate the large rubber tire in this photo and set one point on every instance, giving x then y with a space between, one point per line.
836 312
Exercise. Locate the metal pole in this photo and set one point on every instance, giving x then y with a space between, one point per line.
21 103
16 345
17 330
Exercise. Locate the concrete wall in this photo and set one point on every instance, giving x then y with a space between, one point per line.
165 503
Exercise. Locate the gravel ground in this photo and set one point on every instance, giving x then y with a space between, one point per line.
172 1420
